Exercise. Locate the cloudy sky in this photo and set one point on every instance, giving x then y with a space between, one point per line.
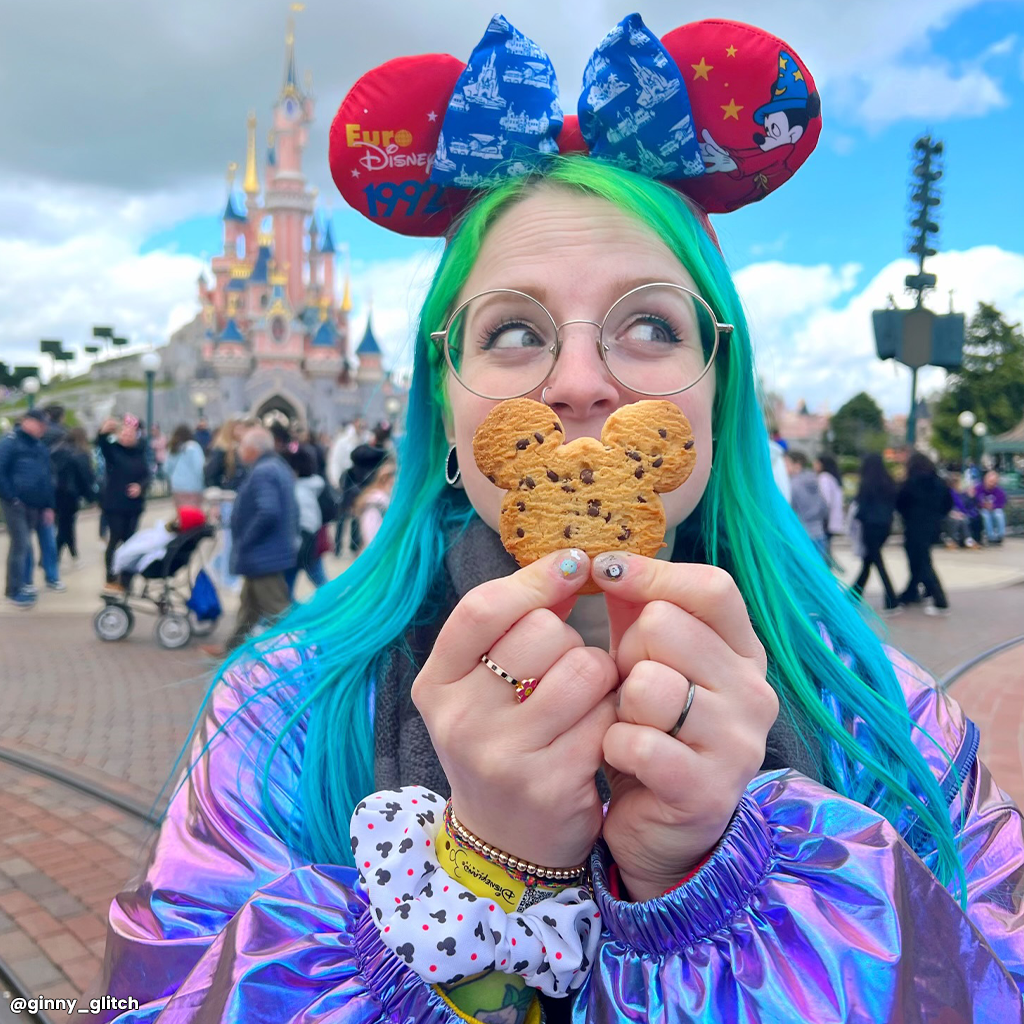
119 117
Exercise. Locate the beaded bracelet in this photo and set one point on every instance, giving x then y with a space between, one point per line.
520 870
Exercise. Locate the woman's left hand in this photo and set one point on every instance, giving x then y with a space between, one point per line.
673 796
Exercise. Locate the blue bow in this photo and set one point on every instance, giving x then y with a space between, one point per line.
504 116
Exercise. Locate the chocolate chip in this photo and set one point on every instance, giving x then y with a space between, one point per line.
657 462
530 482
635 456
523 442
540 437
608 517
521 505
491 478
625 534
689 444
662 432
567 532
520 532
552 476
556 426
593 508
587 476
641 499
568 488
639 472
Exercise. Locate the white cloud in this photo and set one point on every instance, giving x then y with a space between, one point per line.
933 92
812 331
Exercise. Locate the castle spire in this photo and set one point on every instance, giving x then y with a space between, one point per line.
251 184
346 299
291 81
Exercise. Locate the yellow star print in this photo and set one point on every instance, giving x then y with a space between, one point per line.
701 70
730 51
731 110
783 62
798 76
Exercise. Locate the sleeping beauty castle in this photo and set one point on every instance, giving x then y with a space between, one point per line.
272 337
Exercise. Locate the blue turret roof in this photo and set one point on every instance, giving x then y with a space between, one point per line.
231 332
236 284
326 334
259 270
368 346
328 243
231 210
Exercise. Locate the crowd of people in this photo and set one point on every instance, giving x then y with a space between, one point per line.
961 511
276 493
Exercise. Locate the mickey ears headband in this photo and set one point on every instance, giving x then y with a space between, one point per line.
718 110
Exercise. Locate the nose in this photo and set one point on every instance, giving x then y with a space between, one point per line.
580 388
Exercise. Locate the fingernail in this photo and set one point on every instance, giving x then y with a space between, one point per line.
611 565
570 564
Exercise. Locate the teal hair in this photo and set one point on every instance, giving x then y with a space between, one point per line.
805 619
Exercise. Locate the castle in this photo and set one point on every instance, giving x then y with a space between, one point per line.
271 336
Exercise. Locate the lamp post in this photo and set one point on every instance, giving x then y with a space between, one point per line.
150 364
199 400
980 430
966 419
31 385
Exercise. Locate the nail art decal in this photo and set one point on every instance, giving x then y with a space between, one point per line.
611 565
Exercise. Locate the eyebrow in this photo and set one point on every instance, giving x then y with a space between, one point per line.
618 286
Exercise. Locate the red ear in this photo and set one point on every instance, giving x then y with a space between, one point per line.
570 138
736 77
383 140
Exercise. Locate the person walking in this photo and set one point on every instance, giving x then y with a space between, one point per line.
264 536
876 503
158 446
830 483
366 460
806 498
373 503
26 495
339 462
923 501
184 467
225 471
75 483
992 505
309 486
126 477
45 529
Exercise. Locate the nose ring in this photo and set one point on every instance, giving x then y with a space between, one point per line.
543 393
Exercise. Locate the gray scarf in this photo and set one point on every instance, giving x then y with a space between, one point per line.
403 753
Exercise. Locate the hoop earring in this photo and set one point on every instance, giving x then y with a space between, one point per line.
452 473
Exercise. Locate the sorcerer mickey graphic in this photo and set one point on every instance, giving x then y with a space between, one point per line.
784 119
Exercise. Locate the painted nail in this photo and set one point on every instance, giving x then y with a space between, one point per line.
570 564
611 565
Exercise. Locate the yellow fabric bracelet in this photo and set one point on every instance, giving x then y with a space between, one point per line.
480 876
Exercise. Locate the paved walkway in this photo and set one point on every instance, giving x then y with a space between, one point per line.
117 715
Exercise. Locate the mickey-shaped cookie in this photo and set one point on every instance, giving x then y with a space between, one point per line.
588 494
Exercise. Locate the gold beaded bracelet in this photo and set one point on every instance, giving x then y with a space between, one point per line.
564 876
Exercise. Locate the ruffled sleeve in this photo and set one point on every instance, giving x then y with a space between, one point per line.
227 923
811 908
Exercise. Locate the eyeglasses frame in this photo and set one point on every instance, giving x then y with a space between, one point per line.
440 338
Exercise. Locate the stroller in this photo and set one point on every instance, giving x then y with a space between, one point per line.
160 595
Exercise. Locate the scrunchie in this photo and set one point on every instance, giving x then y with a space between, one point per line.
442 930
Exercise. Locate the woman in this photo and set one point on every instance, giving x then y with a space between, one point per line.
72 471
225 471
786 899
184 467
830 483
308 487
373 503
126 476
923 502
876 503
992 499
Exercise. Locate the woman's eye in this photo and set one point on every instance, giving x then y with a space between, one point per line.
513 336
650 331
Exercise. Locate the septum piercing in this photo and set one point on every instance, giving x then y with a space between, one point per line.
543 393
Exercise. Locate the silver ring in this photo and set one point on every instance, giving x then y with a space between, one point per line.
543 393
674 731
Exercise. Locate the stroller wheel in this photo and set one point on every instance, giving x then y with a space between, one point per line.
113 622
173 631
201 627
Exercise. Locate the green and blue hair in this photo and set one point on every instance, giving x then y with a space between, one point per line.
803 616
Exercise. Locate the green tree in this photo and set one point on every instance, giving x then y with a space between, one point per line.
990 383
858 427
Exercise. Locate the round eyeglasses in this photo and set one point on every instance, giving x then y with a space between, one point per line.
657 339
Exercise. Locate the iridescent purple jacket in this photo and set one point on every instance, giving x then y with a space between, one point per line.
812 908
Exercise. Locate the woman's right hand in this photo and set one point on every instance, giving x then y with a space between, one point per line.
522 775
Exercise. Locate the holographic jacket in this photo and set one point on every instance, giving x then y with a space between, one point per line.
811 908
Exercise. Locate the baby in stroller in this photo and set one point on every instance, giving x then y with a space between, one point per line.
147 546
